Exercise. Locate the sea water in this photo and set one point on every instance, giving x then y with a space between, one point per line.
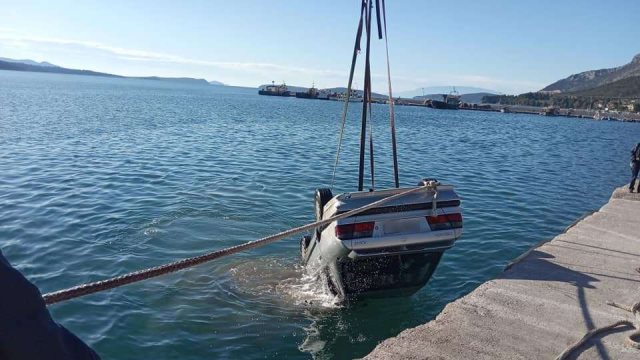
102 176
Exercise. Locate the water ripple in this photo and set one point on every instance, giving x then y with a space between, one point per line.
99 177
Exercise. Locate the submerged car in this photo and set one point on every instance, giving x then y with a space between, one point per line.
384 251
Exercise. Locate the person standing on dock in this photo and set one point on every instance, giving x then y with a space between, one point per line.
635 166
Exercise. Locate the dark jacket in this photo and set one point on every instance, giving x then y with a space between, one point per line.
635 153
27 330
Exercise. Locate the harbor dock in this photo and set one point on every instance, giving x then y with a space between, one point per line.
545 300
574 113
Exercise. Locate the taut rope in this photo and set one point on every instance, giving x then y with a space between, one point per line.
343 120
102 285
392 117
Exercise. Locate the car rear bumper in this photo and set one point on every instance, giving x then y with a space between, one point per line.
402 274
420 240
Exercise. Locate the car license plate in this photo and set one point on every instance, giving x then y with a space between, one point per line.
402 226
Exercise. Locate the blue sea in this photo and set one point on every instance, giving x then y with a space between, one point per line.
102 176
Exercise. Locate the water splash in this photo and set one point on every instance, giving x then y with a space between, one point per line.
311 289
284 281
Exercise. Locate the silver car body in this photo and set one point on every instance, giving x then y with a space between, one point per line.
401 252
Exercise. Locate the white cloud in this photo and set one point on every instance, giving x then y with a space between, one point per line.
260 70
150 56
495 82
509 86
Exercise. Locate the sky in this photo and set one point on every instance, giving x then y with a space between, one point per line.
505 45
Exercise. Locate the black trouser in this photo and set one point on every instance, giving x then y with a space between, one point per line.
635 167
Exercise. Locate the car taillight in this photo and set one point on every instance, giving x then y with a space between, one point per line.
355 231
445 221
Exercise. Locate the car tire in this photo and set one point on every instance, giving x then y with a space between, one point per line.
304 245
322 197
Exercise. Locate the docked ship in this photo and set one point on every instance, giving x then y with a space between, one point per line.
449 102
392 248
351 96
312 93
550 111
275 90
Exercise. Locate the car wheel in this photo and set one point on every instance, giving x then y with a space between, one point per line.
322 197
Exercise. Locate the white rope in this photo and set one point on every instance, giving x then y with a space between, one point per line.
90 288
630 340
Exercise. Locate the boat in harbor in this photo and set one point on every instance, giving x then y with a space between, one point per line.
323 95
311 93
275 90
550 111
601 115
353 96
390 249
449 101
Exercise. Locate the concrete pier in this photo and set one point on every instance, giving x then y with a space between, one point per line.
546 300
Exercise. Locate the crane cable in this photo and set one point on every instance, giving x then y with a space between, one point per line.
392 121
365 100
356 50
381 19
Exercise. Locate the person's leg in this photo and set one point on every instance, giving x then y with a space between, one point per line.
634 175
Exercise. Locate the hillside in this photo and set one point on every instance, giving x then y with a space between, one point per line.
625 88
595 78
181 80
28 62
21 66
34 66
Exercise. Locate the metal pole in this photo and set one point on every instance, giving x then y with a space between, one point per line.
367 84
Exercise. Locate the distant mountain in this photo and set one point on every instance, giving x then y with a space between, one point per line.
595 78
29 62
216 83
19 66
34 66
445 90
625 88
182 80
475 98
